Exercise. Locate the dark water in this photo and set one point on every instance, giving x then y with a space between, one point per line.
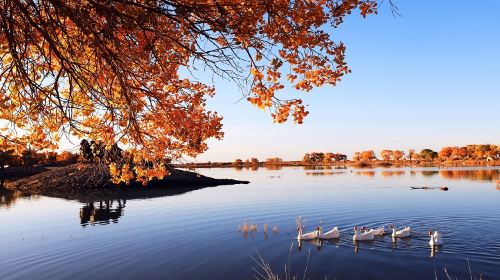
194 235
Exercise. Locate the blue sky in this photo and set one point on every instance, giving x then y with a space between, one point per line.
424 80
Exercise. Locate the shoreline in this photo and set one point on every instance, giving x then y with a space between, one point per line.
348 163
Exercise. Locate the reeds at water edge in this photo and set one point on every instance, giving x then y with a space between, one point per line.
263 271
250 228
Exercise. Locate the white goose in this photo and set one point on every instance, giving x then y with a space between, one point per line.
406 232
436 238
377 232
368 235
334 233
307 236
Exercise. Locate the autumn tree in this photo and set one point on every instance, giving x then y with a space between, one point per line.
115 71
445 153
460 153
398 154
356 156
238 162
274 161
329 157
254 162
340 157
29 158
6 157
428 154
6 153
411 154
368 155
50 157
67 157
306 158
386 154
317 157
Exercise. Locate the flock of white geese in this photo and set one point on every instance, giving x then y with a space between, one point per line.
367 234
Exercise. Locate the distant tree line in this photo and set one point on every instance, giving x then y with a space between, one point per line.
486 152
477 152
29 158
318 158
469 152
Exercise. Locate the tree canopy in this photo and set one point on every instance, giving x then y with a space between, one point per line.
112 70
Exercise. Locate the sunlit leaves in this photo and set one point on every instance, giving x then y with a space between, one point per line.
111 71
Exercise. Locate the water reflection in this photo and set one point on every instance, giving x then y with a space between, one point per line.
435 250
250 229
9 197
318 243
104 213
323 167
429 173
365 173
273 167
472 175
392 173
324 173
404 242
357 244
486 175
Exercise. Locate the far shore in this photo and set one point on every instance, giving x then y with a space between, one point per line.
82 181
347 163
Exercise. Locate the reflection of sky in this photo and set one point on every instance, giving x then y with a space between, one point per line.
191 235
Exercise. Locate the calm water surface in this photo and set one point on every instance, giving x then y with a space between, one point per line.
195 235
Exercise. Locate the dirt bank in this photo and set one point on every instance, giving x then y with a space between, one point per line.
77 181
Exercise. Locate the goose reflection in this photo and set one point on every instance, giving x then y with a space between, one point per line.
368 243
401 242
318 243
435 250
103 213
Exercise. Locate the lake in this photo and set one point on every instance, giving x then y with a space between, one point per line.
202 234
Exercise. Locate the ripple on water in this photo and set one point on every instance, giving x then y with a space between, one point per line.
194 235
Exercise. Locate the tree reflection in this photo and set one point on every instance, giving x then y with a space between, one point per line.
392 173
429 173
103 213
324 173
472 175
9 197
365 173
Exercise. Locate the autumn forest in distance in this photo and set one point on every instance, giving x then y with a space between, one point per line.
469 155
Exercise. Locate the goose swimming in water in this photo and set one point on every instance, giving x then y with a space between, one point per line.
406 232
436 238
368 235
377 232
334 233
307 236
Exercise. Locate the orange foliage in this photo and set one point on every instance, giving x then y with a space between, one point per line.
398 155
67 157
386 154
445 152
111 71
356 156
368 155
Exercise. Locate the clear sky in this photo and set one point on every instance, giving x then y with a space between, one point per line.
427 79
